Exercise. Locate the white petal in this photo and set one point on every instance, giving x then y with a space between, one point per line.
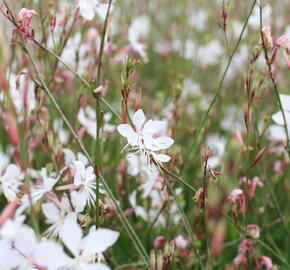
90 175
78 200
87 9
102 10
12 171
278 118
150 143
25 240
51 255
126 131
71 234
80 172
164 142
94 266
162 157
152 127
285 100
98 241
50 211
132 198
138 119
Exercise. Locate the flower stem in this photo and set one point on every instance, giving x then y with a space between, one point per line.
98 153
273 80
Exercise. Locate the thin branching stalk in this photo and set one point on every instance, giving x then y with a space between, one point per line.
136 241
275 86
98 151
199 131
186 224
87 84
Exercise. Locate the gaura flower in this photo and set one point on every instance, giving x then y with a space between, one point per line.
278 117
84 180
24 18
88 8
11 180
265 261
142 138
237 195
86 249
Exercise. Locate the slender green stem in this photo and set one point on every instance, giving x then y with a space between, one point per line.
135 239
189 187
185 223
98 151
194 144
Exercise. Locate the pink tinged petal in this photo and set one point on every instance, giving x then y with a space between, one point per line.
162 157
164 142
71 234
152 127
98 241
50 211
126 131
138 119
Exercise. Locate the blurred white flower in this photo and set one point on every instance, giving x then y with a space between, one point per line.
88 8
210 53
86 250
69 157
139 29
61 132
278 117
24 251
87 117
142 138
55 215
11 179
21 91
85 181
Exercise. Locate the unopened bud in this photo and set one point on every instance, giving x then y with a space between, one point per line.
152 260
267 37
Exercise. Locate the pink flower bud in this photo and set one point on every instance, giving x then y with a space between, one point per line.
253 230
11 128
159 242
181 242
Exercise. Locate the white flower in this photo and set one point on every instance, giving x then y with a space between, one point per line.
142 140
87 117
38 191
70 157
277 117
139 29
11 180
62 133
85 180
88 8
86 250
22 93
55 216
24 251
